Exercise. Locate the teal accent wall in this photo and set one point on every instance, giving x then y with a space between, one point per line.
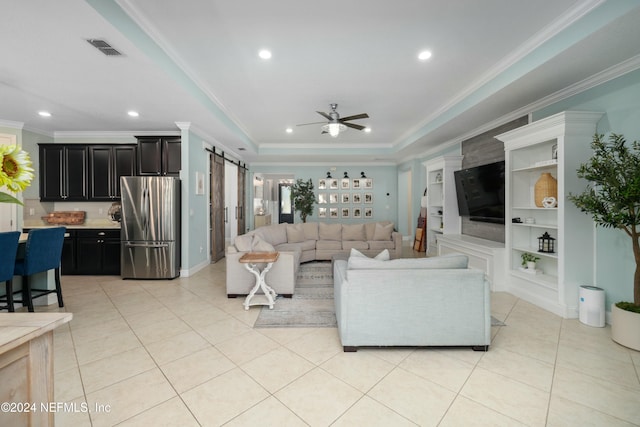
619 99
195 207
385 181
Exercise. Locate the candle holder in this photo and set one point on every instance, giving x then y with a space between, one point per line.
546 243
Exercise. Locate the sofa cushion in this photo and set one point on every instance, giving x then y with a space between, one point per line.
307 245
274 234
378 245
330 231
243 242
353 232
382 231
452 261
382 256
295 234
310 230
260 245
347 245
369 228
328 245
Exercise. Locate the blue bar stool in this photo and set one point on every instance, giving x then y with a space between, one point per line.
9 245
43 252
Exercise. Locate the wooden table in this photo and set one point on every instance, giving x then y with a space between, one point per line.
26 367
251 261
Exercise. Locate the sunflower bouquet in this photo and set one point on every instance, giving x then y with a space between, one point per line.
16 172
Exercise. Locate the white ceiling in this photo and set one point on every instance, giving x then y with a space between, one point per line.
196 61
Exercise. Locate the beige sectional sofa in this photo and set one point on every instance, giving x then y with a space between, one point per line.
303 242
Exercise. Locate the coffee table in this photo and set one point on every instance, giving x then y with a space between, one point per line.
251 261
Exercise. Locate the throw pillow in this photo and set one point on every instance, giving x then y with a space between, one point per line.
353 232
260 245
295 234
330 231
243 242
274 234
310 230
382 256
383 232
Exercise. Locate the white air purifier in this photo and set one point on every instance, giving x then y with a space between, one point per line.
591 306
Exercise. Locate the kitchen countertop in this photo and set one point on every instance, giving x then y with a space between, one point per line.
18 328
90 223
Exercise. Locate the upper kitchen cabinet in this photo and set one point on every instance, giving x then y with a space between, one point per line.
107 164
63 172
159 156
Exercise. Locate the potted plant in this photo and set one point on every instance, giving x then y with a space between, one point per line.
303 198
613 201
529 260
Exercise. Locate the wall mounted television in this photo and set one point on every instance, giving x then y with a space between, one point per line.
480 192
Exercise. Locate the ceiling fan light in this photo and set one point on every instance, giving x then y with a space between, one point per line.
334 129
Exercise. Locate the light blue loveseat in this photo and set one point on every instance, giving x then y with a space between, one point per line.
411 302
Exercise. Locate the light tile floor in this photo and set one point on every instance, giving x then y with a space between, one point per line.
179 353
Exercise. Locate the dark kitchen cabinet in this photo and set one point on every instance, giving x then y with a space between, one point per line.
107 163
68 262
98 252
159 156
63 172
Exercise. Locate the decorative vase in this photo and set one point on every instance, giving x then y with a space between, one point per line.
546 186
625 327
531 265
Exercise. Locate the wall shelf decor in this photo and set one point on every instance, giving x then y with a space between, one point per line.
529 154
442 203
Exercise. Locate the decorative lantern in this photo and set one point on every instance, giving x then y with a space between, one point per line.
546 243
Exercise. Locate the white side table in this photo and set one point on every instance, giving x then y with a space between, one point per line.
250 261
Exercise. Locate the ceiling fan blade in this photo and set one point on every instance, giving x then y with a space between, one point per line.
355 117
328 117
314 123
354 126
323 132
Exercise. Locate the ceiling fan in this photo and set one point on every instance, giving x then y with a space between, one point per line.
337 124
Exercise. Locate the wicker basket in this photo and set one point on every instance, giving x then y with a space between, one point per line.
65 218
546 186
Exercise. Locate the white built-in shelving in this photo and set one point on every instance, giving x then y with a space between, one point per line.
528 154
442 204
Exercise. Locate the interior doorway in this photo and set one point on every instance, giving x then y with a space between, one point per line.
285 210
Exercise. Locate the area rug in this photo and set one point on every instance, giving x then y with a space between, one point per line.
312 303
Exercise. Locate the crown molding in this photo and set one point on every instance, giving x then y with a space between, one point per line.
554 28
11 124
113 134
322 145
611 73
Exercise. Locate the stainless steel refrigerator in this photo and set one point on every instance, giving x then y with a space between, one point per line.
150 233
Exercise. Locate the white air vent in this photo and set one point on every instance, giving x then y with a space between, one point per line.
104 47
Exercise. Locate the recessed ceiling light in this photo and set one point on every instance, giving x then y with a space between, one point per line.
265 54
424 55
133 113
44 113
367 130
289 130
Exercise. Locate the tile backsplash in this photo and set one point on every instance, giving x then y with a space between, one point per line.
34 210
